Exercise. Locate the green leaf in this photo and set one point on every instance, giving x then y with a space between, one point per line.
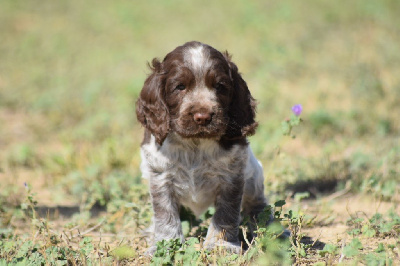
381 248
389 188
367 231
378 259
352 248
303 252
294 120
356 243
286 128
376 219
328 249
350 251
354 232
86 246
280 203
265 216
385 228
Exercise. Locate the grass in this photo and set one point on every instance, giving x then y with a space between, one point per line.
70 72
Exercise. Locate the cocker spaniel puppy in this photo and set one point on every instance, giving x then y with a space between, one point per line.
197 112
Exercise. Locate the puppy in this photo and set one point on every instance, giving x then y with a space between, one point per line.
197 112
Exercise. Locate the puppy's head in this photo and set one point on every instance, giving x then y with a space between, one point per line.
197 92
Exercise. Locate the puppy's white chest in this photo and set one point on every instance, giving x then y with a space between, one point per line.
196 183
193 170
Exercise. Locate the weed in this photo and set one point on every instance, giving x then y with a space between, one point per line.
288 124
329 249
377 225
352 249
171 252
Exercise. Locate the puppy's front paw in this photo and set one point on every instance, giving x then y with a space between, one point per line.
233 247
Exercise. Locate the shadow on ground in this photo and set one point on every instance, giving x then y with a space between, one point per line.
316 244
328 177
57 212
314 187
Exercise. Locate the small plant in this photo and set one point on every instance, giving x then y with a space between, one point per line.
375 226
352 249
173 252
30 202
328 249
298 249
294 120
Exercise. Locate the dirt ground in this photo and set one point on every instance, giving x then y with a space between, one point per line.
330 216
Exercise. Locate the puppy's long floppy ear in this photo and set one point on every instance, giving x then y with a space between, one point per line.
151 109
242 109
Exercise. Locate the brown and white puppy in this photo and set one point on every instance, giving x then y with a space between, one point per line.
197 112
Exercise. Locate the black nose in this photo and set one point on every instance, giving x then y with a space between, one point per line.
202 118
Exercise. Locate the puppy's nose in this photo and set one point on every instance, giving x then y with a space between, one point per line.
202 118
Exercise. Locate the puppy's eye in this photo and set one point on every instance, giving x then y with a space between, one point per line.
180 87
219 86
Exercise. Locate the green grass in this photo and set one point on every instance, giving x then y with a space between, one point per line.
70 72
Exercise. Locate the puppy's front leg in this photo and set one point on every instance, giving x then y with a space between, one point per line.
224 227
167 224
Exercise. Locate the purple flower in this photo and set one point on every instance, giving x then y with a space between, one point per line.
297 109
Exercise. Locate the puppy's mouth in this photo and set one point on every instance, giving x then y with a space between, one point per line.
203 135
202 123
188 129
206 133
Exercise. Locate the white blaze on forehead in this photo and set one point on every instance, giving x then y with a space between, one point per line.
203 97
197 57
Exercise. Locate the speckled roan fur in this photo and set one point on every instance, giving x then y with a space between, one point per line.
199 165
